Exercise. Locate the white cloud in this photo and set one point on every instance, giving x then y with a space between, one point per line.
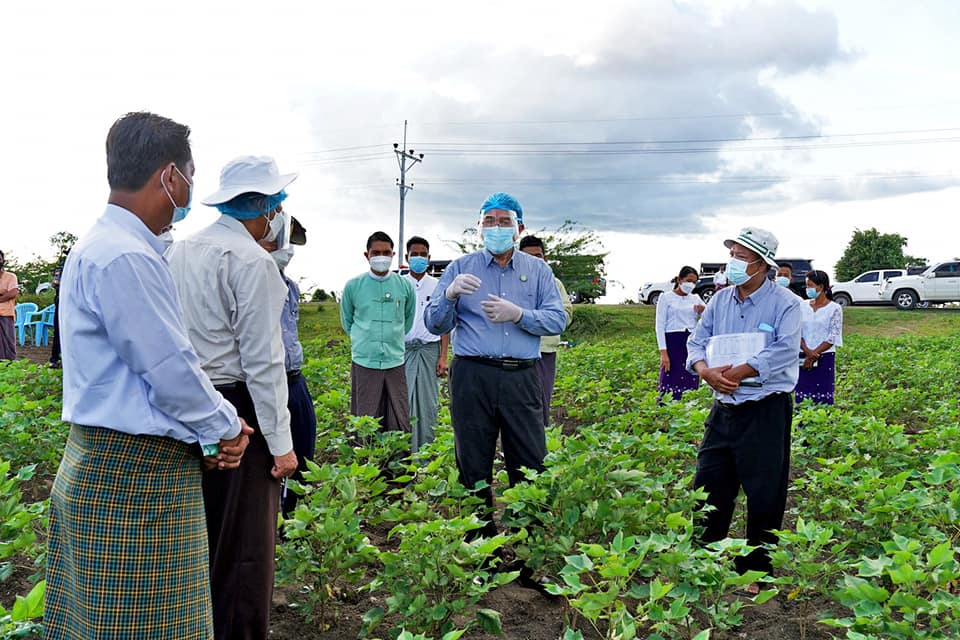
289 79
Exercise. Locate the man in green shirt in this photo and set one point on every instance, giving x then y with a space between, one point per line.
377 309
547 364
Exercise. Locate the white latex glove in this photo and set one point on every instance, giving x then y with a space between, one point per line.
463 285
500 310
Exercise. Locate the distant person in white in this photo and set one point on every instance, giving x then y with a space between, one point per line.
425 355
720 279
233 299
677 314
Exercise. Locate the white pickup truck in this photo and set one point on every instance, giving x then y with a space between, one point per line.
938 283
865 288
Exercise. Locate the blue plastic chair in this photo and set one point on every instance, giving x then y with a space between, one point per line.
21 316
41 325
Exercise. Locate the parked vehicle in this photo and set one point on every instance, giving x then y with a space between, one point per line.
865 288
938 283
801 267
650 292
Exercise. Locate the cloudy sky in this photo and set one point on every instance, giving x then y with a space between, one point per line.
665 126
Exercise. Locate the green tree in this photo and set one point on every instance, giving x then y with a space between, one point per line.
63 241
33 273
870 250
574 252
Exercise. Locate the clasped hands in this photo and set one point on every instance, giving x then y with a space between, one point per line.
496 309
725 379
231 452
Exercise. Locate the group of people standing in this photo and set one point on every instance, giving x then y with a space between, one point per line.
502 310
188 409
679 311
187 406
179 362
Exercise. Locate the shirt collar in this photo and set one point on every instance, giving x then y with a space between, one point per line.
762 293
489 258
234 225
128 220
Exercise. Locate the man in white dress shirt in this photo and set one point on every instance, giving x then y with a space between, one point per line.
127 555
425 355
233 298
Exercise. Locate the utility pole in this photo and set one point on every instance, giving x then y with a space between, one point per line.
403 156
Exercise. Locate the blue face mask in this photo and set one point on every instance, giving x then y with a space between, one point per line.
179 213
737 271
783 281
419 264
498 240
812 292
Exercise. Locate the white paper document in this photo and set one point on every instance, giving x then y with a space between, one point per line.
735 349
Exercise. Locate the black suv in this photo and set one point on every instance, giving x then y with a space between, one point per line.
801 267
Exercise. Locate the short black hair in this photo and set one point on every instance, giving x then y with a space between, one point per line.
786 265
378 236
532 241
685 271
417 240
140 143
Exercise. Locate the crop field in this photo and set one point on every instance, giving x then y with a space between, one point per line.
378 545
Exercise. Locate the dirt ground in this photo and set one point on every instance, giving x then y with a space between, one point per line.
39 355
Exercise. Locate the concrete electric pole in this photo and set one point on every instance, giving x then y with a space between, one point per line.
406 159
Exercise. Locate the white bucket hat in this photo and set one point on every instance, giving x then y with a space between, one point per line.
760 241
249 174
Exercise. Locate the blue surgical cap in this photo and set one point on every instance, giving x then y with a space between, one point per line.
251 205
505 201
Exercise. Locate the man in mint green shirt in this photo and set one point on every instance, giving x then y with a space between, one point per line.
377 309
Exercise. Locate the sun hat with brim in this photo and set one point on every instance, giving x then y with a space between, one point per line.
249 174
760 241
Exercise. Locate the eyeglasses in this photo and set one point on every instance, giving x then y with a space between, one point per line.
502 222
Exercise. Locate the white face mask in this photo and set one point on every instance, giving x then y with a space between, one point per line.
381 264
283 256
274 227
688 287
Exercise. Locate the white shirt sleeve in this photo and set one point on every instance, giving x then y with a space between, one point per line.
663 311
138 306
835 328
260 295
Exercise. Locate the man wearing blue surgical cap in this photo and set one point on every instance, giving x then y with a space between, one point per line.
498 302
233 298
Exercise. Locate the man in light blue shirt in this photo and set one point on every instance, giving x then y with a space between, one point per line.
127 542
747 440
498 302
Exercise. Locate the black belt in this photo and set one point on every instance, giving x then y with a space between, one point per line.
507 364
239 385
291 375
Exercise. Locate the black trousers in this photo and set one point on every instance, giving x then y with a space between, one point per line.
486 402
747 446
241 506
55 342
303 430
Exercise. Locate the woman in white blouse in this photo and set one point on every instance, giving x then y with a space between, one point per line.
678 312
822 333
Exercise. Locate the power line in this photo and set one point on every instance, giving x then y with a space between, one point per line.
667 180
692 150
697 140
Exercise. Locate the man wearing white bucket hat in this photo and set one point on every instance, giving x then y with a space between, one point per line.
747 439
233 298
